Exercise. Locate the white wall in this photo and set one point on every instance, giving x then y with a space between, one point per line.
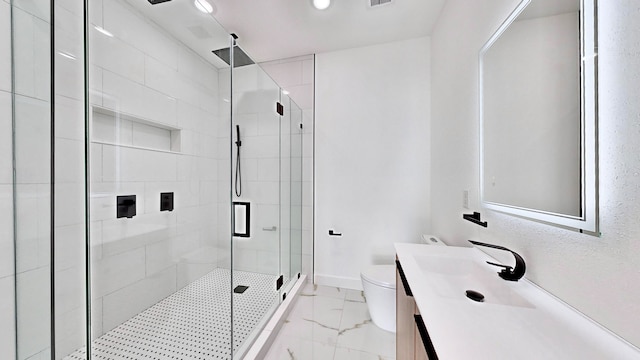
598 276
371 156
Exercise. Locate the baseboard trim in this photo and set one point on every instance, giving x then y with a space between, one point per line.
338 281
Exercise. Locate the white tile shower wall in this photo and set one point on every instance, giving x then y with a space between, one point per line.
597 275
143 72
254 99
7 274
296 75
31 69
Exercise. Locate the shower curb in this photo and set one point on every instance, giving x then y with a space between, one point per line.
263 342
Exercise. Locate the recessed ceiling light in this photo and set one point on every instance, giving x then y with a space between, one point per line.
104 31
321 4
285 92
204 6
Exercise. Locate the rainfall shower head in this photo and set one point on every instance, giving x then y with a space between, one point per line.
153 2
240 58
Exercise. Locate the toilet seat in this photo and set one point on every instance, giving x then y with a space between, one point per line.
380 275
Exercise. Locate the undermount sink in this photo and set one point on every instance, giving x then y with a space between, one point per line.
451 277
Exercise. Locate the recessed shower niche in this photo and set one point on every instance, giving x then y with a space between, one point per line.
115 128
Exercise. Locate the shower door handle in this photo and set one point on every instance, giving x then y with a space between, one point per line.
273 228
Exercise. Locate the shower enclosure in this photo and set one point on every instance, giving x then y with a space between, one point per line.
130 237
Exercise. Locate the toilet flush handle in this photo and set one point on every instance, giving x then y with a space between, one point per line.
332 233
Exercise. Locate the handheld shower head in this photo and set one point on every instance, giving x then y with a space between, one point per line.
238 142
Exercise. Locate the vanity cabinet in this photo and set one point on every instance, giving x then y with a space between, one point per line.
409 343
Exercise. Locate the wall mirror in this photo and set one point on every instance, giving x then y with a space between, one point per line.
538 114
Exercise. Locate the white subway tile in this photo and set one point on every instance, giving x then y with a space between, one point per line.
34 311
70 289
33 140
40 9
95 154
113 54
195 68
69 118
6 151
188 272
96 318
113 273
69 65
132 98
70 165
269 169
166 80
151 137
5 46
70 331
122 235
70 211
70 246
129 164
7 318
118 307
159 256
27 218
23 52
6 231
111 129
42 59
127 25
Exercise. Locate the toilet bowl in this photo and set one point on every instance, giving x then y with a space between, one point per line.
379 283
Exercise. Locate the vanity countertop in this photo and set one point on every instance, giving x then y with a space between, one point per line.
517 320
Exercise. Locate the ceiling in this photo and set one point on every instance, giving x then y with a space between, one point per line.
278 29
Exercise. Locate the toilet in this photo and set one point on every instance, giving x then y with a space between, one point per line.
379 284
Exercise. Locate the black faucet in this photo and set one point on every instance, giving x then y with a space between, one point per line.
507 273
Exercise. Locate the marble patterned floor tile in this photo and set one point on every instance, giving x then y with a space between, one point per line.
355 295
351 354
358 332
315 319
300 350
321 290
331 323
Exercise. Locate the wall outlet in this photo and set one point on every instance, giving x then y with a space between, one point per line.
465 199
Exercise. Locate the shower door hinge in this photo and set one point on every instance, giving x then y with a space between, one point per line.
279 282
280 109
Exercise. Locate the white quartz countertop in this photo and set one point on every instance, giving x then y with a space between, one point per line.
517 320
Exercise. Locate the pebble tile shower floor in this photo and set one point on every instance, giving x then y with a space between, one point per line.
192 323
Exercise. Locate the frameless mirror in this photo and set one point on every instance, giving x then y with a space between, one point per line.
538 114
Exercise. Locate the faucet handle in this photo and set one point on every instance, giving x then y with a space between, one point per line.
506 267
508 273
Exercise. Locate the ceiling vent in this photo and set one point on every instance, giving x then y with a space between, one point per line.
374 3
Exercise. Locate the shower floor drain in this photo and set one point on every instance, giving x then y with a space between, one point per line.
192 323
240 289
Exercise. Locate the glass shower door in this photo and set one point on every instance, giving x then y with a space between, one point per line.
159 286
255 186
